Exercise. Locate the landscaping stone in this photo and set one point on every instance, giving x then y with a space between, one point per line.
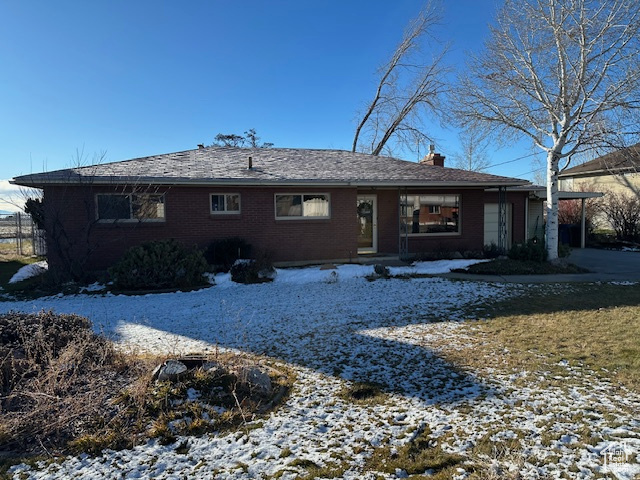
213 368
169 370
381 270
255 379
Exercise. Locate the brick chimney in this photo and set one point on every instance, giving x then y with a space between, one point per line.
433 158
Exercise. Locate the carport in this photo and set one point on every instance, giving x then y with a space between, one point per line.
538 195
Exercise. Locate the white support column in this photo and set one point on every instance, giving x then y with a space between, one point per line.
583 225
502 220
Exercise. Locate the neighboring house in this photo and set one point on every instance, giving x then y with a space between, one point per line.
617 171
299 205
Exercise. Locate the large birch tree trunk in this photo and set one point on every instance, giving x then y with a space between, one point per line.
551 228
564 74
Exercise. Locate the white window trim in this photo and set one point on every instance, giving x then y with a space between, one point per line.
442 234
225 212
300 217
130 220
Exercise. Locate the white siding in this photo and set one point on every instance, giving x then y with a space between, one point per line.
491 224
536 220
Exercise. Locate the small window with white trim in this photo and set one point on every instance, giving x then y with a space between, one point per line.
311 205
225 203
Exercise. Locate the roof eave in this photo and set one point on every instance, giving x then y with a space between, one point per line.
40 183
599 172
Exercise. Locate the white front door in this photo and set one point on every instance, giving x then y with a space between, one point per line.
367 224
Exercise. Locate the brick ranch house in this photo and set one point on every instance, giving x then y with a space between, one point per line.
299 205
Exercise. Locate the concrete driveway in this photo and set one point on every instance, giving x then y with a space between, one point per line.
608 265
603 266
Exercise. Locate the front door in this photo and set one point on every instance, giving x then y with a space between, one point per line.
367 224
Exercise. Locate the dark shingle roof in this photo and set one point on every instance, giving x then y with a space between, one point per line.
620 161
271 166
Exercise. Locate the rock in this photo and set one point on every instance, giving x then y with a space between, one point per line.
328 266
456 255
254 379
381 270
169 370
214 368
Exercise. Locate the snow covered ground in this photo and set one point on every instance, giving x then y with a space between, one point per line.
334 327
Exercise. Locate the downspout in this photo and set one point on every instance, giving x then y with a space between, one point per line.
526 218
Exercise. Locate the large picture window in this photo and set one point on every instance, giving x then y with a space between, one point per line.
302 206
225 203
430 214
130 207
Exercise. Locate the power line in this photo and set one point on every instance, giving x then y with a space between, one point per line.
514 160
531 171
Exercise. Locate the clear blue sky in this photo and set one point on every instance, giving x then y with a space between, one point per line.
136 78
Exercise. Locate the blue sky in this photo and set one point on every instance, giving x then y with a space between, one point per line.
136 78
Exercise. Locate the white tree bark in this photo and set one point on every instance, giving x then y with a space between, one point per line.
563 73
551 231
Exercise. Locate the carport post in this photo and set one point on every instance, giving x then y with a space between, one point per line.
583 225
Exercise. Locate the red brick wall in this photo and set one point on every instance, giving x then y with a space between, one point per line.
189 220
471 236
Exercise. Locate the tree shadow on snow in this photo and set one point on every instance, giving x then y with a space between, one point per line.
375 350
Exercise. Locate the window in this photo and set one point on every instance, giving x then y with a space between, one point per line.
302 206
225 203
430 214
133 206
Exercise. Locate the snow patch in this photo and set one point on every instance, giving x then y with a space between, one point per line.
28 271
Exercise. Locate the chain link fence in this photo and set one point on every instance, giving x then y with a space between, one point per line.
19 229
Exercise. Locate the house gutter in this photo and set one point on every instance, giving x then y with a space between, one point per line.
290 183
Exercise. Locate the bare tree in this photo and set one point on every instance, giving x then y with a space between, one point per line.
228 140
622 211
250 139
563 73
70 214
409 84
253 140
473 152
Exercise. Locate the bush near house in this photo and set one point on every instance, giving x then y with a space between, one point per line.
224 253
258 270
158 265
529 251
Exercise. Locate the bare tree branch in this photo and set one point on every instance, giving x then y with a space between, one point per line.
563 73
473 152
408 83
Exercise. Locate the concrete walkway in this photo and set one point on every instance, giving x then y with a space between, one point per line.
603 266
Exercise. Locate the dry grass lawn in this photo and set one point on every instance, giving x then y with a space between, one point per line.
597 326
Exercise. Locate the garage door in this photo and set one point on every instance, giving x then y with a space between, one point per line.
491 224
